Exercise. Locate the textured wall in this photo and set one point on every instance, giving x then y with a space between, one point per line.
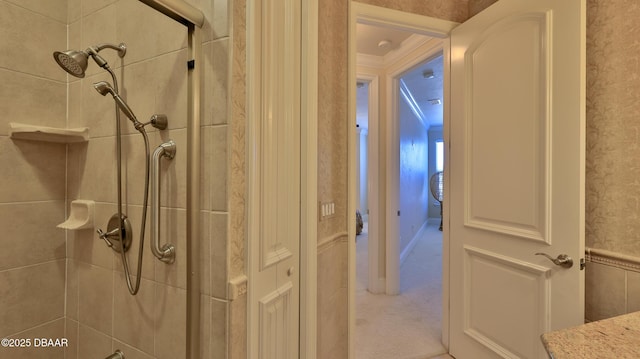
32 183
475 6
453 10
613 126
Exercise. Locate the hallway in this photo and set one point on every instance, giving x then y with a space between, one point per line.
407 326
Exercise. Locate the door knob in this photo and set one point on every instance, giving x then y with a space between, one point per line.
563 260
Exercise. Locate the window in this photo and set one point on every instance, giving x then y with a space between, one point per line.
439 155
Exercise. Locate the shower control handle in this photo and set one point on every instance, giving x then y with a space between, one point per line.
104 235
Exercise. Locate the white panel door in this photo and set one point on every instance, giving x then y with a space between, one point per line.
274 55
516 176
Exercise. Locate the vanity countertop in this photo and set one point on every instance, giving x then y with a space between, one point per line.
617 337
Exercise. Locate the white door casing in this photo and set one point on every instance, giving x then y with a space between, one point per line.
517 149
274 132
379 16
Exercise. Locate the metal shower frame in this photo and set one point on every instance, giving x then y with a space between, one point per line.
193 19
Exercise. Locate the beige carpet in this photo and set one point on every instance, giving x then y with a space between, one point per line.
407 326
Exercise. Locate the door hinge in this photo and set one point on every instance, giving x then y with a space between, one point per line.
191 64
398 213
582 264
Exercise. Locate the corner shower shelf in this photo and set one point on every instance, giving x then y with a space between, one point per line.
20 131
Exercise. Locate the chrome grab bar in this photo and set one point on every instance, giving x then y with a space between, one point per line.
167 253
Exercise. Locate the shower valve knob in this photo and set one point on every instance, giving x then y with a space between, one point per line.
104 236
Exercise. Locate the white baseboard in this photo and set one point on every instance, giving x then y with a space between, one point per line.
407 250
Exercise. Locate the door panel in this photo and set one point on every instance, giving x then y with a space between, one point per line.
516 176
274 189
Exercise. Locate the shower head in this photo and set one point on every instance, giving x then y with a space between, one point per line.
75 62
105 88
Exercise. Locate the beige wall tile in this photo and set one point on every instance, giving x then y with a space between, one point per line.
205 327
215 168
605 292
237 337
92 172
219 168
92 343
84 245
173 229
74 10
37 171
139 83
170 92
75 92
219 335
43 35
54 9
205 253
216 94
31 100
96 112
633 292
219 264
52 330
129 351
32 227
220 18
95 290
72 292
167 34
90 6
97 28
30 296
170 323
134 315
71 333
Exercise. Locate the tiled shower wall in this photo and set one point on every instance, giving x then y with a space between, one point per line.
101 314
94 310
32 179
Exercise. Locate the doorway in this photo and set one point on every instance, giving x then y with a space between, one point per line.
405 323
385 278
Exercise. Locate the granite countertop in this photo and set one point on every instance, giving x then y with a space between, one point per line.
617 337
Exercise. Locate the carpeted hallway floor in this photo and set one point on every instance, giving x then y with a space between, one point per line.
407 326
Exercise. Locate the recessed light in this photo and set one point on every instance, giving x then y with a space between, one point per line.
384 44
428 74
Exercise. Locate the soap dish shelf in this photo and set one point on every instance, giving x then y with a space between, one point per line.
20 131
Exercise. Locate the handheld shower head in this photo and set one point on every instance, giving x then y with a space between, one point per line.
105 88
75 62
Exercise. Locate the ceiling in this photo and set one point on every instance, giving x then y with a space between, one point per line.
425 91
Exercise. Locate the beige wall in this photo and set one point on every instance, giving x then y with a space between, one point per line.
32 186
